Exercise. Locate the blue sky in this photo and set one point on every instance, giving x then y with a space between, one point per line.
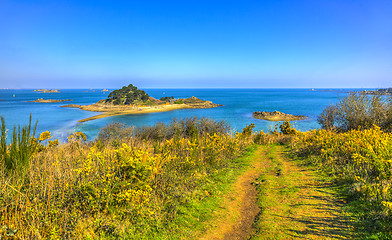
201 43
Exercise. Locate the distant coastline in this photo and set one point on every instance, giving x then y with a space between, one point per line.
47 90
41 100
381 91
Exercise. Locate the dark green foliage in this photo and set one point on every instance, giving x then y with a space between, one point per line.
16 156
127 95
166 99
358 111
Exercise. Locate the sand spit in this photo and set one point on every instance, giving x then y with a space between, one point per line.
41 100
108 110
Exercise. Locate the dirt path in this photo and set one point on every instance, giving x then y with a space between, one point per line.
241 205
290 202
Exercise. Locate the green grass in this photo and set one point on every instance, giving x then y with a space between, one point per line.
194 218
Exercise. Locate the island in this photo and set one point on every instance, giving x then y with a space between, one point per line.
47 90
277 116
131 100
41 100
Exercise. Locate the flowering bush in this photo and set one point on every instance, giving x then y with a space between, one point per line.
99 189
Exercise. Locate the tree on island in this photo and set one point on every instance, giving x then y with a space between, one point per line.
127 95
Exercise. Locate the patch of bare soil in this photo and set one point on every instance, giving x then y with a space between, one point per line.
241 206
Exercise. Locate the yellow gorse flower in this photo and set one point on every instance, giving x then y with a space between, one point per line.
77 136
44 136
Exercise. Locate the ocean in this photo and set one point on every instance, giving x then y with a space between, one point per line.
237 109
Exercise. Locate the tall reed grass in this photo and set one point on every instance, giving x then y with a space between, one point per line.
16 155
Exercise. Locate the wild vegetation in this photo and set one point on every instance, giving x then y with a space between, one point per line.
358 110
135 185
360 161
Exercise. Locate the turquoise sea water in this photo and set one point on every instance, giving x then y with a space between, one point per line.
238 105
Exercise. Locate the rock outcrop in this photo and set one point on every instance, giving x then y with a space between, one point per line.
277 116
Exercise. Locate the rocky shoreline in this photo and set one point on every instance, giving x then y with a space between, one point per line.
277 116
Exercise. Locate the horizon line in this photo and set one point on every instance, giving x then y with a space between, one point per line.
315 88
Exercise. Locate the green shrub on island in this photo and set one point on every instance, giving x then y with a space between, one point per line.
166 99
179 101
127 95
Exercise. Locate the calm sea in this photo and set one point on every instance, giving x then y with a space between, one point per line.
238 105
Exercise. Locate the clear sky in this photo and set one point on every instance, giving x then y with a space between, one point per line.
195 43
